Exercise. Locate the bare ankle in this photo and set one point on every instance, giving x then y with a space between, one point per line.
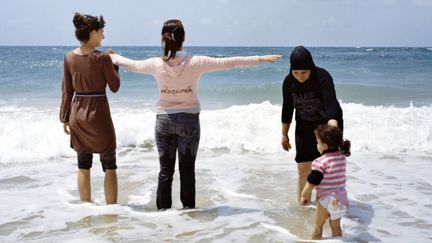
317 234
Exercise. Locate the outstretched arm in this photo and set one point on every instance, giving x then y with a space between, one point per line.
210 64
269 58
141 66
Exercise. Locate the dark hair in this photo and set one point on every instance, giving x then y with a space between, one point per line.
85 24
173 36
332 136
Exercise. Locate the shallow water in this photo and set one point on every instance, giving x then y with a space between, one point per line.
240 198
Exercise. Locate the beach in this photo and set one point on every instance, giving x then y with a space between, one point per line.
245 181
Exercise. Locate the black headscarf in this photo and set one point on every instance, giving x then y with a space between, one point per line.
301 59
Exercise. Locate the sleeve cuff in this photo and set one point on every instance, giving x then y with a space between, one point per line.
315 177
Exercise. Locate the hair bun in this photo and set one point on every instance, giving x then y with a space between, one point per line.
167 36
78 20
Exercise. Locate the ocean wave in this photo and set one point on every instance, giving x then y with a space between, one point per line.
45 64
30 134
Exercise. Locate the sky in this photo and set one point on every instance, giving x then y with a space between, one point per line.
317 23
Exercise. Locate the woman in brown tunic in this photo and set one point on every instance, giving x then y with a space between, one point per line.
84 108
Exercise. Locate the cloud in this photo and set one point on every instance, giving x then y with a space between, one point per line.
332 22
205 21
155 23
427 3
350 2
388 2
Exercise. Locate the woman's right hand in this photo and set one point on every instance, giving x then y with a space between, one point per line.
269 58
66 128
285 143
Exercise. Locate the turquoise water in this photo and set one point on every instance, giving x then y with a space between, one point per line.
370 76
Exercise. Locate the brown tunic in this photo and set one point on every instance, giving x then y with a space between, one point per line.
89 117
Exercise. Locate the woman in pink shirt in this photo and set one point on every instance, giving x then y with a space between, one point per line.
177 121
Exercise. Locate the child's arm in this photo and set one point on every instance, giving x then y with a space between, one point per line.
306 193
314 179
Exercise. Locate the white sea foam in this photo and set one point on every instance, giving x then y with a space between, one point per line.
245 182
28 134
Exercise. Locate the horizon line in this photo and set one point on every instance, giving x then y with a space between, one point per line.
245 46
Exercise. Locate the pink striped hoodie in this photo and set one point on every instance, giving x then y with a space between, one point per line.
177 79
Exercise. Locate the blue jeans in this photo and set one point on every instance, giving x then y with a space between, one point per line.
179 132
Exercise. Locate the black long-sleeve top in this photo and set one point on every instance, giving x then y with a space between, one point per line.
314 100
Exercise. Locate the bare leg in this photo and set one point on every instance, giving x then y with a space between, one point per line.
335 227
303 170
110 185
84 188
321 216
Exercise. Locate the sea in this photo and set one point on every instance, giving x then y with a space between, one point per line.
246 182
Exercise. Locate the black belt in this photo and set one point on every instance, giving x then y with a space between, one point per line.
90 94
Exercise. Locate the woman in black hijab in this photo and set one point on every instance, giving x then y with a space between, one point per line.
310 91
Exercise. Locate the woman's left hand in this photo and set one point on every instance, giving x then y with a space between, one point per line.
110 51
269 58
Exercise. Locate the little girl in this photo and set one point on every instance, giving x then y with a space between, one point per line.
328 175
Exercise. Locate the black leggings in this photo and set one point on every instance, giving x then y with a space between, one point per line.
108 160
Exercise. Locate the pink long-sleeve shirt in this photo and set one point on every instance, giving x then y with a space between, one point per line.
177 79
333 167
